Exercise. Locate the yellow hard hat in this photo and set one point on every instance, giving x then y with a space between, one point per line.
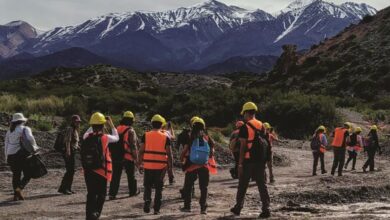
374 127
349 124
199 120
267 125
128 114
158 118
97 119
193 118
321 127
358 129
249 106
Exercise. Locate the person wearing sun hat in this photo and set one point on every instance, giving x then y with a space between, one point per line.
16 154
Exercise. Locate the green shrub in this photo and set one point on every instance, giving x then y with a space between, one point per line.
43 125
297 115
74 105
48 105
10 103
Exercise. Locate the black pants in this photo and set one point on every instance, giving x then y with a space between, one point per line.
67 180
352 156
96 196
257 172
153 178
117 167
16 162
371 159
234 170
190 178
317 155
339 159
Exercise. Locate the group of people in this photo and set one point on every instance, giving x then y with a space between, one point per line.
106 150
345 138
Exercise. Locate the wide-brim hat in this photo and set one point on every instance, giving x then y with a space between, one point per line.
18 117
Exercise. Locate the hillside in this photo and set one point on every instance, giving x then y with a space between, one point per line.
353 64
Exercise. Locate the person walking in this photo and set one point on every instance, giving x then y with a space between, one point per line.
372 148
340 136
200 149
71 140
124 156
168 129
355 144
155 158
16 154
249 165
272 137
234 146
319 144
97 164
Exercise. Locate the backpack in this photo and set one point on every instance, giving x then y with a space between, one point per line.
91 152
353 140
59 144
200 151
315 143
260 150
117 149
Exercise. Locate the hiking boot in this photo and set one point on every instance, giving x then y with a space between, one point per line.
147 207
272 180
135 194
353 168
156 212
340 174
235 211
265 214
112 197
203 210
185 209
19 194
324 171
314 174
364 169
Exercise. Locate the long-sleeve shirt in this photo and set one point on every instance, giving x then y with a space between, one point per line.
71 139
112 138
12 140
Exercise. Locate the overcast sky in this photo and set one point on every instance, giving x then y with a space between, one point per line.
46 14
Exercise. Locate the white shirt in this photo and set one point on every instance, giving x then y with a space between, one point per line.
112 138
12 140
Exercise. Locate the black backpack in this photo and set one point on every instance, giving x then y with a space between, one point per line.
92 155
315 143
353 140
116 149
260 150
59 144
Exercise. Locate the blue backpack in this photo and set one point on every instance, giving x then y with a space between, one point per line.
200 151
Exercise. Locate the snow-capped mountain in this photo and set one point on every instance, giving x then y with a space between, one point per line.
197 36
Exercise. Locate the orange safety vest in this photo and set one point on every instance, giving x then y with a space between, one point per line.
106 171
338 140
251 134
126 146
155 155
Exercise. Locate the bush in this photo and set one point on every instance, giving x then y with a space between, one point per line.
297 115
10 103
50 105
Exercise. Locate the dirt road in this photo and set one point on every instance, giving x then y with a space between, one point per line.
296 194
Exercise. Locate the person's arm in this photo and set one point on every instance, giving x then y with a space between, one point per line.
113 137
243 149
31 138
212 146
6 142
86 134
183 154
169 154
141 151
132 140
68 139
360 141
324 140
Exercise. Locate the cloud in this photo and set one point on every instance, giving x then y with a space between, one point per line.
47 14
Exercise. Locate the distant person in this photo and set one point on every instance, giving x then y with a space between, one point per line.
318 146
97 164
234 146
155 158
252 161
168 129
339 143
124 154
199 150
71 140
16 154
372 148
355 144
272 137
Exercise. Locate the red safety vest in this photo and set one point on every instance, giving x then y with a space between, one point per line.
338 140
126 146
155 156
106 171
251 134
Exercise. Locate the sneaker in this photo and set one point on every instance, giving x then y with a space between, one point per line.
235 211
147 207
184 209
265 214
